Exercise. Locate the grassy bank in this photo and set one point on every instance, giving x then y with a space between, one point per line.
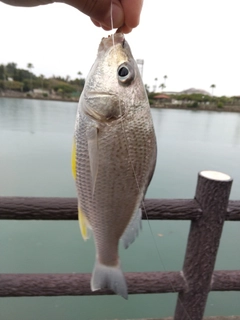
206 107
30 95
187 105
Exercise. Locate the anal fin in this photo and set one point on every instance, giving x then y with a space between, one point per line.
132 230
83 223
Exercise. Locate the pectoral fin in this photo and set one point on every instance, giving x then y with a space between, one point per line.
74 170
83 223
132 230
92 138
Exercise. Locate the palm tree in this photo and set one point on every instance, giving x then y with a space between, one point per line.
4 76
155 85
30 66
147 88
213 86
165 78
162 86
80 85
42 78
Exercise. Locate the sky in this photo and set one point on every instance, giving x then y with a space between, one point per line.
195 43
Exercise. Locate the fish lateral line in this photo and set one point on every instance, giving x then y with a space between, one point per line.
93 152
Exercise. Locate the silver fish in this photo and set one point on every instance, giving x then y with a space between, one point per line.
114 157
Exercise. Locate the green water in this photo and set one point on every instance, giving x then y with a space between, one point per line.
35 150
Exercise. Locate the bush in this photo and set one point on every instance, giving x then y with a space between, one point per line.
193 105
220 105
11 85
26 86
63 87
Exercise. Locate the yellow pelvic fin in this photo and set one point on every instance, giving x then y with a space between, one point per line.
74 170
83 224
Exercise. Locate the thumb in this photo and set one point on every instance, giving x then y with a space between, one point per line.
114 17
102 12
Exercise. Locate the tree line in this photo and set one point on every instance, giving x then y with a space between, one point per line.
23 80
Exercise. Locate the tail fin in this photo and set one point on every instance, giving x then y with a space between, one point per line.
109 277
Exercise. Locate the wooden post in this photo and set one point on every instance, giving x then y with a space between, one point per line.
212 194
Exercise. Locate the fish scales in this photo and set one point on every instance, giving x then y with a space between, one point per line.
115 156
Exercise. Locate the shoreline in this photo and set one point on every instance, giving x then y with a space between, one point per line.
232 108
37 97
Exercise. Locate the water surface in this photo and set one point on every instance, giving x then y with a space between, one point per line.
36 141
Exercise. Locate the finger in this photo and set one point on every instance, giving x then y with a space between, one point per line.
100 11
27 3
113 18
132 10
97 24
124 29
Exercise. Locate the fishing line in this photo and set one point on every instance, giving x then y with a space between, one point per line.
111 17
134 173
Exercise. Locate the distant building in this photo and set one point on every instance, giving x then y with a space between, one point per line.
162 98
170 92
40 91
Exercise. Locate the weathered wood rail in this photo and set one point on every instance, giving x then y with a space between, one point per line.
207 211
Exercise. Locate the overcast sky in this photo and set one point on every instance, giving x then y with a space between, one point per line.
195 43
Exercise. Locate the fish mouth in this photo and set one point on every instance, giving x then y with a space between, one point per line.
103 118
111 40
95 94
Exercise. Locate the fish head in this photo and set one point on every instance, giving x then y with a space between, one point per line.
114 84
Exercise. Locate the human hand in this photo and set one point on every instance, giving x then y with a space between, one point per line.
125 13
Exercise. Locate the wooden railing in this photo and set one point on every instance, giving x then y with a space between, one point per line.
207 211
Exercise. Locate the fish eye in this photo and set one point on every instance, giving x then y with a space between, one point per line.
125 74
